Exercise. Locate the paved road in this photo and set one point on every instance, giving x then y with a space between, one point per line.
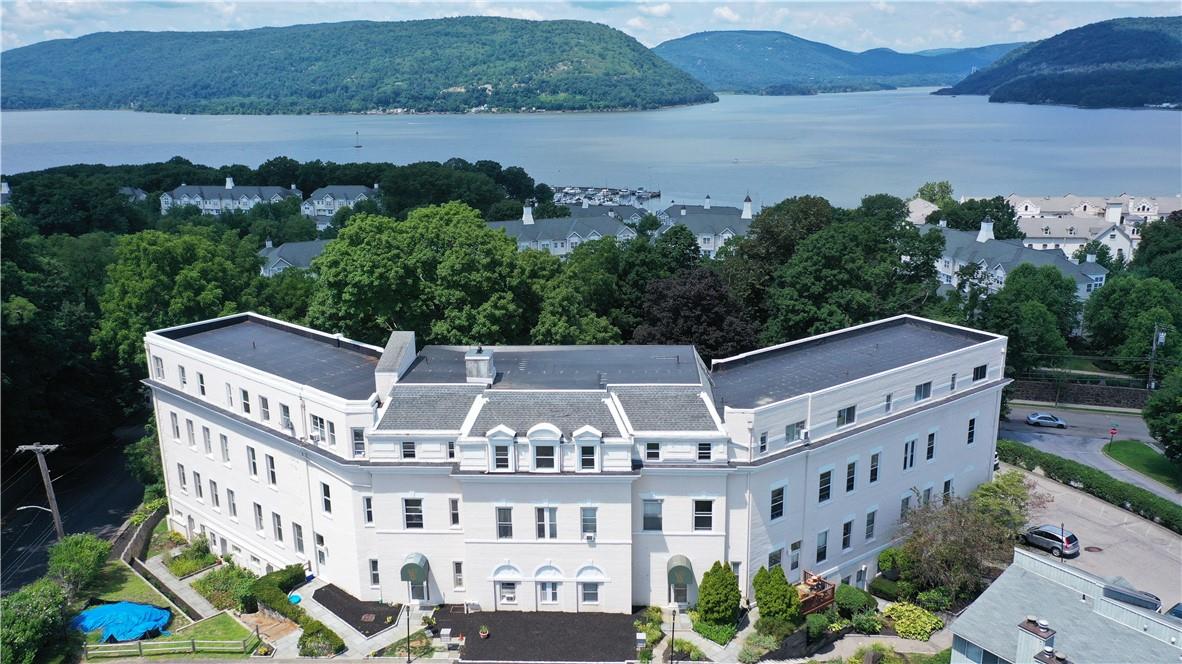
1083 440
94 492
1147 555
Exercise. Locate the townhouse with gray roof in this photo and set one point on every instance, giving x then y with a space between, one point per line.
327 201
227 198
712 225
289 255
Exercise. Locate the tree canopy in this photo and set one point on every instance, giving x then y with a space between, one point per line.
967 216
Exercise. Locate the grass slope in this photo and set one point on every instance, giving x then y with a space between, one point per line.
1123 63
1146 460
448 65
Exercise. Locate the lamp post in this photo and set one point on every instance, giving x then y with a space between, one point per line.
673 637
408 622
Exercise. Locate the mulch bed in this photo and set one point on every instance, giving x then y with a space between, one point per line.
369 618
539 636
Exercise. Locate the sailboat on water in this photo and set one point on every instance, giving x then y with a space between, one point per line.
356 139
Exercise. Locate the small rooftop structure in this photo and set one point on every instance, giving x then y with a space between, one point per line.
298 255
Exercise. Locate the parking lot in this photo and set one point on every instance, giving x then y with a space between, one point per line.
1145 554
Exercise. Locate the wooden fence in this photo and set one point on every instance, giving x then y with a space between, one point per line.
190 646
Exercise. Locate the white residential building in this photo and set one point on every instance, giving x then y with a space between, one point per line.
228 198
327 201
571 478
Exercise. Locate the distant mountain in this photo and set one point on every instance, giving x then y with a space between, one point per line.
449 65
1122 63
759 61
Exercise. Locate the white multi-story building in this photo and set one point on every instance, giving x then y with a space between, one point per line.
327 201
571 478
228 198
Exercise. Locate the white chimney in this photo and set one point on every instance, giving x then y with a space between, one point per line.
746 208
986 232
375 186
4 188
611 213
586 204
1091 258
706 205
229 183
943 223
1112 213
268 244
683 210
527 213
293 186
478 366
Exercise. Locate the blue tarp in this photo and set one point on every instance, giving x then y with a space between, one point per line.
123 621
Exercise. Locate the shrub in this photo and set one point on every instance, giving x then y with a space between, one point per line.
76 561
816 624
867 622
146 510
720 634
756 646
777 598
270 590
886 655
229 587
893 559
880 586
30 618
913 622
777 628
907 589
192 560
651 626
851 600
760 580
1095 482
936 599
718 595
749 655
318 640
688 651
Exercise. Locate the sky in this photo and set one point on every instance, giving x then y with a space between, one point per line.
903 26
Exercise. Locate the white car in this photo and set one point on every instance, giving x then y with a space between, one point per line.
1045 420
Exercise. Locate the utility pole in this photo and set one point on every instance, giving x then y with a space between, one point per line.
40 451
1159 338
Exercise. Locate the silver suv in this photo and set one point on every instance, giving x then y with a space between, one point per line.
1056 539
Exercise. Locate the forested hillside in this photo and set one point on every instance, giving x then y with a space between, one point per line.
448 65
1123 63
769 62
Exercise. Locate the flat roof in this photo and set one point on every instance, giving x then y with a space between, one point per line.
337 366
776 374
562 367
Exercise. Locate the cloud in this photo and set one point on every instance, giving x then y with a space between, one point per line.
637 23
727 14
660 11
1016 24
883 6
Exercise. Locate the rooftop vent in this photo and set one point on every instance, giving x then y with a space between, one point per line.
478 366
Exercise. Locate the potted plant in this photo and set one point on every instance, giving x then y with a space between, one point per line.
484 631
264 650
429 624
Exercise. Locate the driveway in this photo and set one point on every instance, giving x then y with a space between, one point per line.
1147 555
1084 439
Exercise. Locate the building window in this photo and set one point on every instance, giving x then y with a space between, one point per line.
201 383
652 451
680 593
652 515
277 526
851 476
189 433
544 457
252 462
972 432
453 511
244 397
763 442
775 558
225 443
887 406
589 520
184 376
947 489
197 485
412 512
214 496
909 454
927 495
265 409
822 546
547 518
285 417
408 449
824 486
504 522
158 367
207 440
231 503
501 457
318 433
587 457
374 578
229 396
870 517
297 536
931 449
451 449
777 502
272 478
794 555
367 509
507 592
180 469
846 416
325 498
258 517
457 574
549 592
590 593
952 384
794 432
904 507
703 515
705 451
923 391
321 549
332 434
358 442
847 535
176 427
874 467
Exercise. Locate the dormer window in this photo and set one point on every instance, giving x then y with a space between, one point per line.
501 457
1046 230
544 457
408 449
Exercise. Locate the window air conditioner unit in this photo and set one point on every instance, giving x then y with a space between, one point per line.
590 537
804 435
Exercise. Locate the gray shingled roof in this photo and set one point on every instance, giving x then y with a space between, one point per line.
296 254
562 228
569 411
665 408
963 246
343 191
212 192
428 407
1087 637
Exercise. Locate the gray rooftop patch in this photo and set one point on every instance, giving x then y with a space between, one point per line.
569 411
665 408
428 407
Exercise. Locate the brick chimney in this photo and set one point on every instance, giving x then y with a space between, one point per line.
746 208
986 232
1034 636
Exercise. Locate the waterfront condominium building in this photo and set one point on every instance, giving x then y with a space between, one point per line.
568 478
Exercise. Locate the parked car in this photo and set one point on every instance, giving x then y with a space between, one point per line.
1175 612
1056 539
1045 420
1133 596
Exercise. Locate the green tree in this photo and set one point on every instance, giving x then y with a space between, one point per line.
442 273
144 462
1034 338
694 307
1044 284
1109 312
76 561
967 216
286 295
937 193
30 619
1136 349
718 595
1159 254
775 597
564 319
956 543
1163 414
1008 500
1114 264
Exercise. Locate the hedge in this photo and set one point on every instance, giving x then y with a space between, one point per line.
851 600
270 590
913 622
720 634
880 586
1095 482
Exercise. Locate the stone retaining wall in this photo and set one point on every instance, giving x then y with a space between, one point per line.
1078 393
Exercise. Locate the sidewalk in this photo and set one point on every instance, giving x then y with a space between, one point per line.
716 653
358 646
1047 405
155 564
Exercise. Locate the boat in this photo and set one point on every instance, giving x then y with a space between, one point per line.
356 139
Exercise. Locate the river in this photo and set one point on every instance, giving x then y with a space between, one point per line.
837 145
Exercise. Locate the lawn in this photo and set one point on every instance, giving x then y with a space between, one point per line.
118 583
420 644
1145 460
221 627
942 657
